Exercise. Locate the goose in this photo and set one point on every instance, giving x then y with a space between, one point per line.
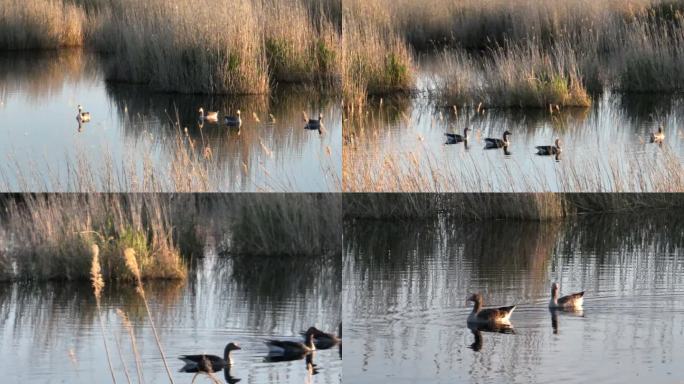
211 117
322 340
489 316
573 300
498 143
82 117
234 121
208 363
313 124
455 138
546 150
659 136
287 347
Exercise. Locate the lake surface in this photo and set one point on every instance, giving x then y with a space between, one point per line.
132 127
405 286
612 135
50 332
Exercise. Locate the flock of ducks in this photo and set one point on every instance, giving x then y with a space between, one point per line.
542 150
501 316
232 121
278 350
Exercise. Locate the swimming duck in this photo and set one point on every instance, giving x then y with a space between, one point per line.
287 347
659 136
489 316
573 300
322 339
234 121
498 143
209 363
545 150
82 117
313 124
455 138
211 117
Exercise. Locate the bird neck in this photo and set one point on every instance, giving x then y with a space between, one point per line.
477 304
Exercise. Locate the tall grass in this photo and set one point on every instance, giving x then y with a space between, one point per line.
528 53
196 46
40 24
52 236
376 59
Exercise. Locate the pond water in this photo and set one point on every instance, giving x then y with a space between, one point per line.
41 141
610 137
50 332
405 287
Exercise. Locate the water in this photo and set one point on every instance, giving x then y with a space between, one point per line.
405 287
39 135
50 332
614 133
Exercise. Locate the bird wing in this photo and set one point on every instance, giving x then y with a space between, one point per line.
570 298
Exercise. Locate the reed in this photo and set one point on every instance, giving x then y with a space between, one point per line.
55 232
98 285
131 261
40 24
376 60
301 225
134 345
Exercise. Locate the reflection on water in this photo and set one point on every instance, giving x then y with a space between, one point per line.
615 131
50 331
39 94
405 286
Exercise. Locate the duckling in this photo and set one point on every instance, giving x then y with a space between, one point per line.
454 138
234 121
571 301
497 143
211 117
546 150
659 136
490 316
209 363
82 117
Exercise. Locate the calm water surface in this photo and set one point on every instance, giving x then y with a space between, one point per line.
613 132
49 333
405 287
40 92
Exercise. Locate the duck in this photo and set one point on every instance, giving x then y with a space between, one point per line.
571 301
209 363
322 340
82 117
546 150
498 143
234 121
659 136
489 316
455 138
313 124
211 117
287 347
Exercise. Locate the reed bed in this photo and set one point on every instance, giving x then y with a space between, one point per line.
376 59
197 46
525 53
40 24
52 237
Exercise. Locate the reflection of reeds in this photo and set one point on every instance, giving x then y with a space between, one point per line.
98 284
132 265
